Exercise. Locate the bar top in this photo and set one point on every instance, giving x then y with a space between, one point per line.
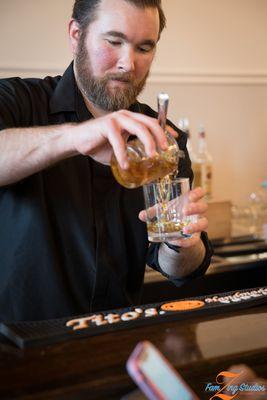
93 367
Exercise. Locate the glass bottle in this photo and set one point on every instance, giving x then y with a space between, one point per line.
183 124
202 166
143 169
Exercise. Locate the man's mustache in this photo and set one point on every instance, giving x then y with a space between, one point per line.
122 77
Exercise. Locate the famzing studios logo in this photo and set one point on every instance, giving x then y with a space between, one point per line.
233 388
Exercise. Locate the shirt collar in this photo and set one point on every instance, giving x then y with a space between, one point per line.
64 96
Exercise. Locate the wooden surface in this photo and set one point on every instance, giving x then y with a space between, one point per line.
94 367
219 217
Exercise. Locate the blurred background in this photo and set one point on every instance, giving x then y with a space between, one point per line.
212 60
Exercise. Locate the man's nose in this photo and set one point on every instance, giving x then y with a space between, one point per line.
126 61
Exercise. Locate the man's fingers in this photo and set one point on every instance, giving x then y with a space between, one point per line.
172 131
118 144
196 194
195 208
136 128
157 134
142 215
199 226
152 211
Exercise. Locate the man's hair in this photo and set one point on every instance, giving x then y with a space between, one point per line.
85 11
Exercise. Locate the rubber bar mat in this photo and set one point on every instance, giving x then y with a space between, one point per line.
30 333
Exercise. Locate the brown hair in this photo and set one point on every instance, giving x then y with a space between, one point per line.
85 11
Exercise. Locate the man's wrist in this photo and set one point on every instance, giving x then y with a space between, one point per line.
172 247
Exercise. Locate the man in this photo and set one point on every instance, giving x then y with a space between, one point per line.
71 240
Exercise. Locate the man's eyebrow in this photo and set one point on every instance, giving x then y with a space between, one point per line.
117 34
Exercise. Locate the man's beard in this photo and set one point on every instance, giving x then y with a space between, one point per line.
96 89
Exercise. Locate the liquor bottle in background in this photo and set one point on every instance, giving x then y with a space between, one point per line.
202 165
183 124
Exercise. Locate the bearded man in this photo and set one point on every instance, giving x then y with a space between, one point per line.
71 239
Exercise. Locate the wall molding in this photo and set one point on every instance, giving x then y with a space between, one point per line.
29 72
209 77
186 77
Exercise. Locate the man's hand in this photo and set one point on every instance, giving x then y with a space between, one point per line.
98 138
196 206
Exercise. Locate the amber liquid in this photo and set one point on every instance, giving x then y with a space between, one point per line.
142 171
165 226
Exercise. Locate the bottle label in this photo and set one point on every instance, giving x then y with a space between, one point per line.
206 178
203 177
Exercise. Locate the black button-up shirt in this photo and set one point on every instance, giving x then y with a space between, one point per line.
71 241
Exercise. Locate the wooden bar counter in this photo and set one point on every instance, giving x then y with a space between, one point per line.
93 367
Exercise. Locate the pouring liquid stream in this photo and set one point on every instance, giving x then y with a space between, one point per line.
161 169
167 223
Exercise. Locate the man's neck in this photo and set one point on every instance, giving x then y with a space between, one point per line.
93 109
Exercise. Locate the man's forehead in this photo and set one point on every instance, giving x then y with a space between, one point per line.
114 15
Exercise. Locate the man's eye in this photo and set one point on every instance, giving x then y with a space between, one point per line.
114 43
144 49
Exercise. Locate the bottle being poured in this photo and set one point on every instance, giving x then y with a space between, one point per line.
143 169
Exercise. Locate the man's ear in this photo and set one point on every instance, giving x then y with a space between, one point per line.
74 34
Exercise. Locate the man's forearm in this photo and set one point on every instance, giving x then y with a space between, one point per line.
181 264
25 151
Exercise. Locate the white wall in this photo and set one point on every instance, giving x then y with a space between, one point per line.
33 36
212 60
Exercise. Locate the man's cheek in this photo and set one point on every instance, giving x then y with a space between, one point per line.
105 59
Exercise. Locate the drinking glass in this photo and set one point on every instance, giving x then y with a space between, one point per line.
165 201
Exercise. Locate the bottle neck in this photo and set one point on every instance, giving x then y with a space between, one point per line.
202 144
187 132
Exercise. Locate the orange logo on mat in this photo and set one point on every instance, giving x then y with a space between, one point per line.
182 305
